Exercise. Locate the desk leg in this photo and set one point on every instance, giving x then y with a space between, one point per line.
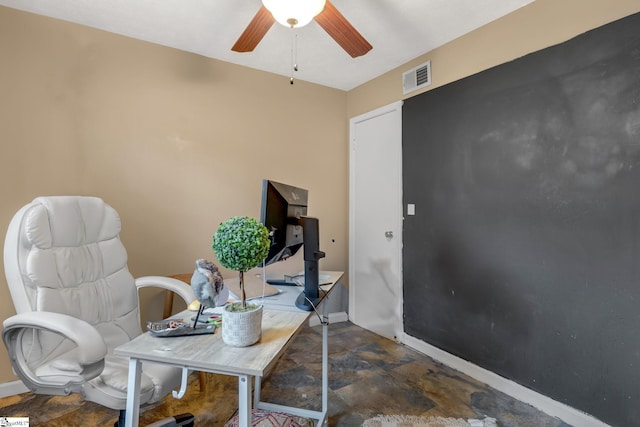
256 391
322 417
325 363
244 400
133 393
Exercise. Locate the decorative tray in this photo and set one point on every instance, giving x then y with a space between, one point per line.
178 328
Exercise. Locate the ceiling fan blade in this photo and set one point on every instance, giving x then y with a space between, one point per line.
337 26
254 32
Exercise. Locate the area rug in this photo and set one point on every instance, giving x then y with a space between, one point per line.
262 418
417 421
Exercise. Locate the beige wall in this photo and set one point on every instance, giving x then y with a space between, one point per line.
177 142
174 141
540 24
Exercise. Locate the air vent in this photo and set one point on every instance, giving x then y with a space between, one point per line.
416 78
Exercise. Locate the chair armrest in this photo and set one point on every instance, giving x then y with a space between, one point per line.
91 346
86 363
168 283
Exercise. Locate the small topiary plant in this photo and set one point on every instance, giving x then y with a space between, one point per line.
241 243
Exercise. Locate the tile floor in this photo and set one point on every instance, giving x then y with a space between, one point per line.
369 375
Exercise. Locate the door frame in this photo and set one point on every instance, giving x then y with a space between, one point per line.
398 225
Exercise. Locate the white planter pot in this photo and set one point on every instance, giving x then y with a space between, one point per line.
241 328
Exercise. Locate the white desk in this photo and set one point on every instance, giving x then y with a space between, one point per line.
281 321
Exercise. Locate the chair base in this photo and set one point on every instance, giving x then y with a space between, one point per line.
182 420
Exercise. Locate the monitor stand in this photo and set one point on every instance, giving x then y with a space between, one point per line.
310 298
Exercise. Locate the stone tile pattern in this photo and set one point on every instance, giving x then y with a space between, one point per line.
369 375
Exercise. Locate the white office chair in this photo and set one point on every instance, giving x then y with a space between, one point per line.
76 301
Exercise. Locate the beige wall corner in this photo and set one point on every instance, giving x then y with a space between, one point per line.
536 26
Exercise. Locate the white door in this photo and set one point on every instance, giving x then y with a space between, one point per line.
375 221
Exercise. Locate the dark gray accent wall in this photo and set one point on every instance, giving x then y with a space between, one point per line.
524 254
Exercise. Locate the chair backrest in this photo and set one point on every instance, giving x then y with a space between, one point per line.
63 254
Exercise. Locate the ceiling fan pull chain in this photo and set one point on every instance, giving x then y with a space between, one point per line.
294 53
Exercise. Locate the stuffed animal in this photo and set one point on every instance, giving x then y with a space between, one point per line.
208 286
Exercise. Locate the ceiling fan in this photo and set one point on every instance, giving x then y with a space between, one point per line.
324 13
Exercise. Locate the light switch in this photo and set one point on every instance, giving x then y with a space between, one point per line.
411 209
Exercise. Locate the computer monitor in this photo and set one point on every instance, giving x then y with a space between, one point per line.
283 212
282 207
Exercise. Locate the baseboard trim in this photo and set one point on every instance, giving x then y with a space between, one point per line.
333 318
11 388
545 404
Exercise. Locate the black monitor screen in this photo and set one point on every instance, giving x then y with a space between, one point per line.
282 207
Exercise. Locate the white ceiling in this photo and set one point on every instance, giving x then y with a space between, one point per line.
399 30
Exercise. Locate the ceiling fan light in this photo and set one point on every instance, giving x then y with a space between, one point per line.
294 13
